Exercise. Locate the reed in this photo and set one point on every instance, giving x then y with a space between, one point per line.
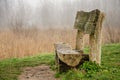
32 41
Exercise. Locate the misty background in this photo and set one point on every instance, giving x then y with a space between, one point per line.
54 13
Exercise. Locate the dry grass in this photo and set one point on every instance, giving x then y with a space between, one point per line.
34 41
111 35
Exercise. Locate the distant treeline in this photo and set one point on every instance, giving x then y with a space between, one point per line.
54 13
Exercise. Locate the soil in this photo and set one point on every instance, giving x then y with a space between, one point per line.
42 72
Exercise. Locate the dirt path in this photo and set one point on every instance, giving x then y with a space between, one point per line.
42 72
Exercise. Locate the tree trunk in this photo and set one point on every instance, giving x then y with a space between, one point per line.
95 42
80 41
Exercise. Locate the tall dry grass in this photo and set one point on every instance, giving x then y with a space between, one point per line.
111 35
33 41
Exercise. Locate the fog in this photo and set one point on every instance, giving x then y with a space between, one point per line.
54 13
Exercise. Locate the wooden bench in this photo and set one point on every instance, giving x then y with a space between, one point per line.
67 58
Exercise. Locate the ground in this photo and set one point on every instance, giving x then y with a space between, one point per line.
42 72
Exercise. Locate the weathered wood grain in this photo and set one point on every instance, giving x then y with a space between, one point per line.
95 41
66 58
86 23
90 23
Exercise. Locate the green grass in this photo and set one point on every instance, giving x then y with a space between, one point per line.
110 69
11 68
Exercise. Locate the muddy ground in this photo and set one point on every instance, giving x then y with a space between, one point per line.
42 72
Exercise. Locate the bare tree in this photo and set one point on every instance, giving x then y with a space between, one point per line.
17 20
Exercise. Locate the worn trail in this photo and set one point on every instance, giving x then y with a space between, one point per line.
42 72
